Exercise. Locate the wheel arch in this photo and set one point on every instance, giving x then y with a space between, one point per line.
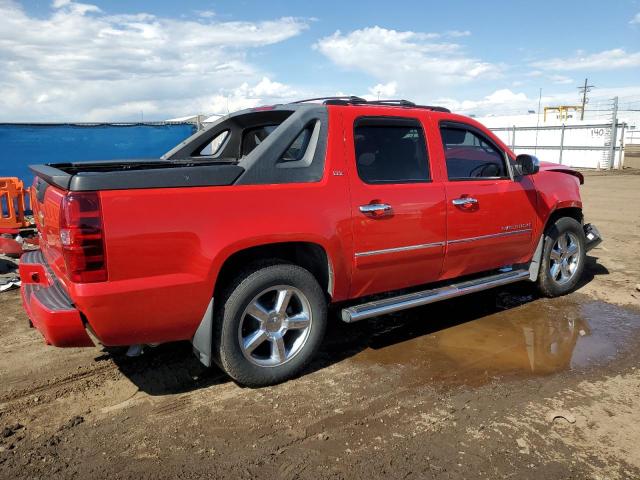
309 255
571 210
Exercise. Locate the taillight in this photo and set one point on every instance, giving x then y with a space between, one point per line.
82 237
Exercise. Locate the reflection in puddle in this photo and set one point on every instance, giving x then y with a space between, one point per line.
536 338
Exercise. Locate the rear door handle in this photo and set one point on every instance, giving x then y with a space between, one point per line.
376 210
464 202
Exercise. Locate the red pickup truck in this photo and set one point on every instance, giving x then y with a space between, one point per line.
239 238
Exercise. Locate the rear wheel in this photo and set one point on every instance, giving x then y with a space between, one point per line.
563 257
270 325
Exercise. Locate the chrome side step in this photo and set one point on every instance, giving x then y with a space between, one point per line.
416 299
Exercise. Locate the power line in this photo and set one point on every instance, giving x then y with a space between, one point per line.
586 89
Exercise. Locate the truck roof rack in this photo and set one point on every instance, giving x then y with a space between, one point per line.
345 100
353 100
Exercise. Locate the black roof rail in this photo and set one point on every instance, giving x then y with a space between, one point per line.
434 108
401 103
344 100
354 100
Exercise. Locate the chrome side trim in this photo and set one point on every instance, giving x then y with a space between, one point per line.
402 302
492 235
400 249
439 244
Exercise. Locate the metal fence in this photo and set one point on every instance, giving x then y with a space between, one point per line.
23 144
598 145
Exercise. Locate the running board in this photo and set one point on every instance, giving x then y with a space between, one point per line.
410 300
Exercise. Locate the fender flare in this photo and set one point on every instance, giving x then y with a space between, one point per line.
202 340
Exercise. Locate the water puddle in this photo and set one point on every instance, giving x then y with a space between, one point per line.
475 339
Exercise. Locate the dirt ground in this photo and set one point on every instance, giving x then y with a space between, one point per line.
497 385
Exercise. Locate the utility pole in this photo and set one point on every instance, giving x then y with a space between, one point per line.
586 89
535 150
614 132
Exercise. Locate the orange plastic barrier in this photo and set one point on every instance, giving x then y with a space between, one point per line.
13 203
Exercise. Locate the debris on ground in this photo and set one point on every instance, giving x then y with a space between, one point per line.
73 422
10 247
10 283
11 430
523 446
562 414
9 276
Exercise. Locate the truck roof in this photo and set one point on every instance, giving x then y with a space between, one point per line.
353 100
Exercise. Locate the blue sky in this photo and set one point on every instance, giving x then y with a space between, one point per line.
119 60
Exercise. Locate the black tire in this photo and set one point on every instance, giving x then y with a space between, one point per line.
547 284
230 318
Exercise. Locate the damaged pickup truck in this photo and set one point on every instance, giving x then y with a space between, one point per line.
241 237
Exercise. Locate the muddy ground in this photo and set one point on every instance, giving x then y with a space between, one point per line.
497 385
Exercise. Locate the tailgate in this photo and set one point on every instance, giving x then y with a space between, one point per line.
46 201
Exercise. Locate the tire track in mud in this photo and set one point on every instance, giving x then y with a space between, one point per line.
12 397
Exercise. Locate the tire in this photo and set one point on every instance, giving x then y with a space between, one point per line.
560 269
259 340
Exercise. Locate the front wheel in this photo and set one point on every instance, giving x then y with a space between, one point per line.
270 325
563 257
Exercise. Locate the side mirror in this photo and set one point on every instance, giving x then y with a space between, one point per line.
526 164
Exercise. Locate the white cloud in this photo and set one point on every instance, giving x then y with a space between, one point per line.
500 100
270 89
206 13
383 90
605 60
79 63
507 102
560 79
411 59
635 20
458 33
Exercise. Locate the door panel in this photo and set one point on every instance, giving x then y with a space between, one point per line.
490 216
494 232
398 228
403 249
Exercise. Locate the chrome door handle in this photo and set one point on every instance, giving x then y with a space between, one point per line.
464 201
376 209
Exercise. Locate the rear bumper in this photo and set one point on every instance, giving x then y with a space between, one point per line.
592 236
48 306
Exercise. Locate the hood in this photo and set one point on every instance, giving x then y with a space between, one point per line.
556 167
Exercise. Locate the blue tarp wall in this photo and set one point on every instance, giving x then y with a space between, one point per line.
27 144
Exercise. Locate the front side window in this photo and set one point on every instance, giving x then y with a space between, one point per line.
390 150
470 156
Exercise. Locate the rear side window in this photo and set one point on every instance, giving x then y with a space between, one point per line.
297 149
252 137
212 148
390 150
470 156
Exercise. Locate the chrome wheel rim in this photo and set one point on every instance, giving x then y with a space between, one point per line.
564 258
275 326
